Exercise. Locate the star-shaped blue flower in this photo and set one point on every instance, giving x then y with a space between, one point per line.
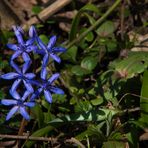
22 48
47 51
19 104
46 86
20 75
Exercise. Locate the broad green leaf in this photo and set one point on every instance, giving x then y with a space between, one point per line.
39 133
93 115
70 54
36 9
135 63
76 20
89 63
97 101
39 116
114 144
106 29
44 38
144 98
79 71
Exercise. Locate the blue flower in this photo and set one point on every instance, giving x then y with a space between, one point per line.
47 51
22 48
19 104
46 86
20 75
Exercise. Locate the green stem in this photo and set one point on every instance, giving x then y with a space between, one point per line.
100 20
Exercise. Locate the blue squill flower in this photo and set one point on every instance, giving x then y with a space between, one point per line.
47 51
22 48
20 75
19 104
46 86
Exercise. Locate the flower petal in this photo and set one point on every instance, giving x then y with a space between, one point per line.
18 32
53 78
28 86
24 113
15 66
43 73
12 46
26 66
31 48
16 54
41 44
26 57
36 94
48 96
57 90
15 94
59 49
15 85
29 75
8 102
40 51
29 104
26 94
30 41
32 32
51 42
12 112
55 57
9 76
45 60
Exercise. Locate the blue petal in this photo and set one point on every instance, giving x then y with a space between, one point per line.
28 86
31 48
24 113
36 94
15 94
29 75
18 32
48 96
8 102
59 49
26 57
15 85
12 112
57 90
29 104
16 54
15 66
43 73
9 76
30 41
32 32
51 42
41 44
53 78
45 60
55 57
26 66
26 94
12 46
40 51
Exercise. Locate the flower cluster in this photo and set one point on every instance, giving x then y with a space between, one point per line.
22 90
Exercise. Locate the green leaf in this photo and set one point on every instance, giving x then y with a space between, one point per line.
39 116
89 63
70 54
36 9
79 71
106 29
76 20
44 38
97 101
114 144
39 133
93 115
144 98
